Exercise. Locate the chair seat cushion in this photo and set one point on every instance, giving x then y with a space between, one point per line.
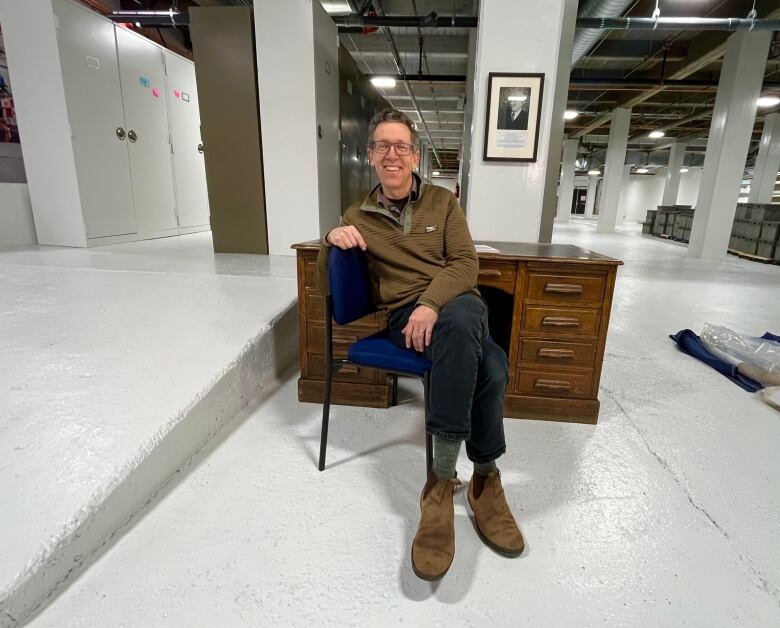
379 352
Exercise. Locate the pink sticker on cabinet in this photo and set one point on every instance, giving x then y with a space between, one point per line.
156 92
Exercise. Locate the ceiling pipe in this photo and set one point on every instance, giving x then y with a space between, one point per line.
400 67
424 21
678 23
584 39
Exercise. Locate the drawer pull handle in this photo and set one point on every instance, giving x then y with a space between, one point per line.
560 321
556 354
563 288
552 384
489 272
350 369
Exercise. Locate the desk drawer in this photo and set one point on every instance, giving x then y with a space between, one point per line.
541 383
343 337
561 353
315 312
497 273
347 373
566 288
559 320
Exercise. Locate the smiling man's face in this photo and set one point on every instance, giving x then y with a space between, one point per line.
394 170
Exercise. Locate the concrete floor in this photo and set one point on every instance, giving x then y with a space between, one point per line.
663 514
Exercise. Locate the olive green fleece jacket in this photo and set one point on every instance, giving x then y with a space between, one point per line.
430 259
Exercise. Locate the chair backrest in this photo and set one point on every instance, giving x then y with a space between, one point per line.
350 285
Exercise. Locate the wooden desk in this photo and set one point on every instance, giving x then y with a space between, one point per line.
549 306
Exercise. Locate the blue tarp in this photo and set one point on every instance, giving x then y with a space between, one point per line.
692 345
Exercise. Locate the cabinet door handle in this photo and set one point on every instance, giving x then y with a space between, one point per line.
560 321
563 288
489 272
120 133
132 136
556 354
552 384
350 369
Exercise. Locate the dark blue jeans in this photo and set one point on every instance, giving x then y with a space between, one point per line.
468 379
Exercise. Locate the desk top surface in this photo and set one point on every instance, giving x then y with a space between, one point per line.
523 251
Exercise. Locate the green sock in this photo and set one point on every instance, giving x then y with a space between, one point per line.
485 468
445 457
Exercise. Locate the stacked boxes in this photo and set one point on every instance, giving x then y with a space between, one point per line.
673 221
755 230
767 241
649 223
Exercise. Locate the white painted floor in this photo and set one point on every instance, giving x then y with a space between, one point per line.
117 364
664 514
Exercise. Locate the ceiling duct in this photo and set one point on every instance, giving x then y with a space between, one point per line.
585 38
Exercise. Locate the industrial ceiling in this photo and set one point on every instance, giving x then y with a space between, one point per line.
668 77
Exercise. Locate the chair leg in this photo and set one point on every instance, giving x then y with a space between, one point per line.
428 437
325 415
395 391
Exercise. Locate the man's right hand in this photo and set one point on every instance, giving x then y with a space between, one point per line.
346 238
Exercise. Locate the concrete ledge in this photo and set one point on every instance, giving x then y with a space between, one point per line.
95 420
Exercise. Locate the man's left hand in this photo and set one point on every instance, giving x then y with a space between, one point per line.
419 329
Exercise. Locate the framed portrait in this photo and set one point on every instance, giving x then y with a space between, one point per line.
514 105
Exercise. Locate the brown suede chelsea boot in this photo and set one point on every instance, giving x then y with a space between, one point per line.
433 547
495 523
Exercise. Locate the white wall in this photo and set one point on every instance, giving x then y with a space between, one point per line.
16 219
638 194
288 77
505 199
445 183
689 187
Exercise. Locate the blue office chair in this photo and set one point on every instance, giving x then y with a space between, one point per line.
349 300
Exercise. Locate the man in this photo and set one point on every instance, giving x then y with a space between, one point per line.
423 267
515 114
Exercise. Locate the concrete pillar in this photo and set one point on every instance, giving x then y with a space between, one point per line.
590 197
767 162
672 183
741 76
505 199
613 170
298 92
566 187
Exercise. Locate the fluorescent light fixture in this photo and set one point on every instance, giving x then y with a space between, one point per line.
337 7
435 173
383 81
520 98
768 101
655 134
642 171
594 173
683 169
570 115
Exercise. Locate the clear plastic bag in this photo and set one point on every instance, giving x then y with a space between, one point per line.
756 357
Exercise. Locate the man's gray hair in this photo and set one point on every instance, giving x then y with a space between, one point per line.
392 115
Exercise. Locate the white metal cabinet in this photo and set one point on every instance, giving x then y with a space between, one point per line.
188 167
142 77
90 75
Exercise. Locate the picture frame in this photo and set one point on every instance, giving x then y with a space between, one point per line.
513 116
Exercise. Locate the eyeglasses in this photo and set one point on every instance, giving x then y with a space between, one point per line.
401 148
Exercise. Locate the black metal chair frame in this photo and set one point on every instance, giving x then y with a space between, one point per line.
332 365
